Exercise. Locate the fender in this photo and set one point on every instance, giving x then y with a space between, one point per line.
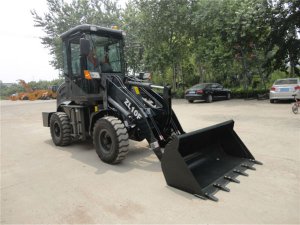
97 115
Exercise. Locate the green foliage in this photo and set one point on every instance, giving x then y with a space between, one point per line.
63 15
6 91
179 93
238 43
277 74
250 93
284 36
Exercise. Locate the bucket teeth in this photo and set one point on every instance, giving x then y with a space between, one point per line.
241 172
255 161
232 179
248 167
211 197
200 196
221 187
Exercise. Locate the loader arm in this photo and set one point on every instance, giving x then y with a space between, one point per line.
144 110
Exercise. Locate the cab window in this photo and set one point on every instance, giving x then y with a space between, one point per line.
75 59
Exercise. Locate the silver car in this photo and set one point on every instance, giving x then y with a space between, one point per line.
284 89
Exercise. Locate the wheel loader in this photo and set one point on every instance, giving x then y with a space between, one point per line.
98 101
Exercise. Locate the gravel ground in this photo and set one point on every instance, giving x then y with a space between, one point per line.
42 183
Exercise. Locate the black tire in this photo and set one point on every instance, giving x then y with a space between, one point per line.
228 96
209 98
60 129
295 109
110 139
190 101
272 101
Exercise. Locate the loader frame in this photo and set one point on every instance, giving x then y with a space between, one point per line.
201 162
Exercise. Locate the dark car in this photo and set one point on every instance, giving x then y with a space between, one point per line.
207 92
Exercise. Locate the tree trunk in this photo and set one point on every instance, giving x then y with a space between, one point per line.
182 77
174 77
200 71
292 64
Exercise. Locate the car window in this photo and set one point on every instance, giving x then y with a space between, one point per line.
286 81
198 86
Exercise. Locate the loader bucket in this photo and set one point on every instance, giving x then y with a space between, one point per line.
205 161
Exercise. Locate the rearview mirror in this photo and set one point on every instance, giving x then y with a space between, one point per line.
84 47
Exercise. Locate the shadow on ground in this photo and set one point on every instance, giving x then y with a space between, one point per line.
138 157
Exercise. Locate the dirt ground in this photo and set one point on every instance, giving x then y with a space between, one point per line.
42 183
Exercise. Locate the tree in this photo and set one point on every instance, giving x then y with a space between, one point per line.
134 49
284 37
62 16
183 42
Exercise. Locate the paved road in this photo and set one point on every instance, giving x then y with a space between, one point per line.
41 183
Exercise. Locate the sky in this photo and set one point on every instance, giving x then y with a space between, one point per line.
22 56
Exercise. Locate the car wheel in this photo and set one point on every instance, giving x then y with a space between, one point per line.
272 100
228 96
295 108
209 98
190 101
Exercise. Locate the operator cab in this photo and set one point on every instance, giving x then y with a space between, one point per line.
90 52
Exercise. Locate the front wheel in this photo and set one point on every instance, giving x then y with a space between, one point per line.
295 108
190 101
110 139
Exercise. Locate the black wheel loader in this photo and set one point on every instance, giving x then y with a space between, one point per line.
98 101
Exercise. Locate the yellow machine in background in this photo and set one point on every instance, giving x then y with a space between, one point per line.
31 94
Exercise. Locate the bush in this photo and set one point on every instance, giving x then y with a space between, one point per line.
179 93
241 93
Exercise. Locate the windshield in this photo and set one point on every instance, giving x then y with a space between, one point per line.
105 53
286 81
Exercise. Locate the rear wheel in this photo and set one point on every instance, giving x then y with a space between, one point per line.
209 98
272 100
110 139
60 129
190 101
295 108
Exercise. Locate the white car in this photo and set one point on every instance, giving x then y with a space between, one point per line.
284 89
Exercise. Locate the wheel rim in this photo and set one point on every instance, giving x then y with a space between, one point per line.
105 140
56 129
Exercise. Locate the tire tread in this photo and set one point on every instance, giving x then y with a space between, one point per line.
121 135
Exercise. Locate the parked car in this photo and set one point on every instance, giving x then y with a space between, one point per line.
284 89
207 92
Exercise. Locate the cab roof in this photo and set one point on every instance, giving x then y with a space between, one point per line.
89 28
